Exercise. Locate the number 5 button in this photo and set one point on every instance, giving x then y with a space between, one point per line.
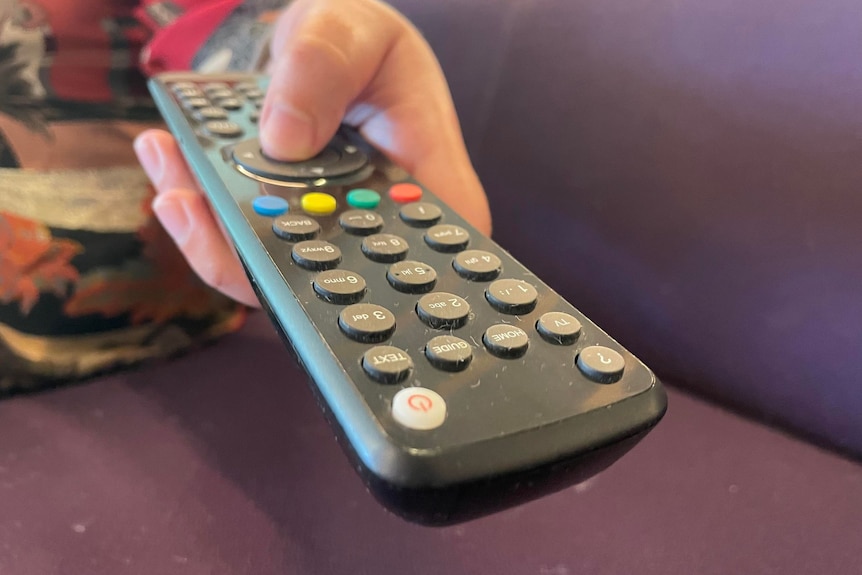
601 364
419 408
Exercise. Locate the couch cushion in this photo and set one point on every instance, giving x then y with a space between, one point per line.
688 174
220 463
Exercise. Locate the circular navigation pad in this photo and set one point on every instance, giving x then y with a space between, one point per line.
333 162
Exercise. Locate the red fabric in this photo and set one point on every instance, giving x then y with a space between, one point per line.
82 46
174 46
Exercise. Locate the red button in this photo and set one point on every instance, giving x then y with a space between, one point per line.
404 193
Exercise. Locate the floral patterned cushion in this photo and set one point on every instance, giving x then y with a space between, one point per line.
89 281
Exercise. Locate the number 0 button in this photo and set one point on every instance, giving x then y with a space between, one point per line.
361 222
601 364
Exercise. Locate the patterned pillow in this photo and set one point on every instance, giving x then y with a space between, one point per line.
90 282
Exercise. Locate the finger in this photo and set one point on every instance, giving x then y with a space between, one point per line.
361 60
186 216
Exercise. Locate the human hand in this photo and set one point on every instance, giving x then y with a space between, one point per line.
357 61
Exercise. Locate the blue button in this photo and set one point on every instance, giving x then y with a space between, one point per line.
270 205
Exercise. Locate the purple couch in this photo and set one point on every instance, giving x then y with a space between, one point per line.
702 169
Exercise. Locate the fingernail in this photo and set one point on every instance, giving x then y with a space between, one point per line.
150 158
174 217
286 132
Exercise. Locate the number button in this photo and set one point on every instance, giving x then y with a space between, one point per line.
316 255
222 129
190 92
477 265
245 87
512 296
228 103
601 364
178 87
219 93
367 322
339 286
210 113
447 238
411 277
443 310
192 104
385 248
361 222
215 86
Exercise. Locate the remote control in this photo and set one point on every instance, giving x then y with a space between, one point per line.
457 381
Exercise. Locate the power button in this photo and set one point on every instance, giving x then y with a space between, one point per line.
419 408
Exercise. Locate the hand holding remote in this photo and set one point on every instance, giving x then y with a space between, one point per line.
359 62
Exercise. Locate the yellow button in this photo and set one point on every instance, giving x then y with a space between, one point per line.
318 203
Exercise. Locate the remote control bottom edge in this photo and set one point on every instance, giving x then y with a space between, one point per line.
472 501
460 503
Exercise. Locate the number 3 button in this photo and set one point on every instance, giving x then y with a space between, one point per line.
601 364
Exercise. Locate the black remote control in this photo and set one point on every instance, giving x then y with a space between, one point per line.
457 381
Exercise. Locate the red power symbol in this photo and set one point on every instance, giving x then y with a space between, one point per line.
420 402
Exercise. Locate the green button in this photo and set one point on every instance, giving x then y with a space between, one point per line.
365 199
